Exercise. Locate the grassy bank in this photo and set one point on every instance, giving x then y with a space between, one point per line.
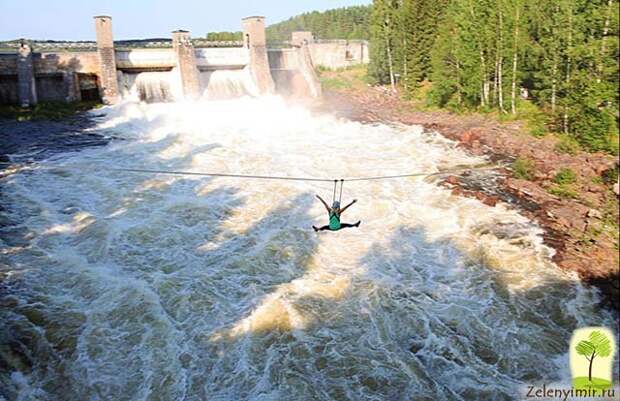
46 110
354 77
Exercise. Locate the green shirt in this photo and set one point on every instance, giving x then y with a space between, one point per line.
334 221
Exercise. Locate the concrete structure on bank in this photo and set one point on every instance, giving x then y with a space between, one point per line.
164 70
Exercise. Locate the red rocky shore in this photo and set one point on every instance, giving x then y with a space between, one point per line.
578 229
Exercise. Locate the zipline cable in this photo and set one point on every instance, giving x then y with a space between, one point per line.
225 175
274 177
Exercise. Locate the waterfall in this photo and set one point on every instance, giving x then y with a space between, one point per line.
151 86
227 84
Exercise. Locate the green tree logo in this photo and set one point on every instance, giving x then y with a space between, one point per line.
596 346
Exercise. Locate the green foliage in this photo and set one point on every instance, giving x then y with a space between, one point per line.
594 127
402 34
523 169
335 83
343 78
567 144
341 23
601 343
594 384
46 110
565 176
225 36
585 348
563 184
610 176
563 191
480 55
536 121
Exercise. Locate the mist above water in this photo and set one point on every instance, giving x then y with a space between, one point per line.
151 287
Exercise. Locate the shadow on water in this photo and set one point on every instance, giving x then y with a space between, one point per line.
249 270
423 322
173 262
45 322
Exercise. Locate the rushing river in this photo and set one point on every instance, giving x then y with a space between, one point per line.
128 286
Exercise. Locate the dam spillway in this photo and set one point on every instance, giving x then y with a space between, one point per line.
102 69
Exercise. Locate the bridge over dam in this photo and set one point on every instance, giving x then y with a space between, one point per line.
168 70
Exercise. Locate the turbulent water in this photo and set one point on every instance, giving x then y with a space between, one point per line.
126 286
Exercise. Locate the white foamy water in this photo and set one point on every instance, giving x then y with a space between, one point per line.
165 86
154 86
227 84
124 286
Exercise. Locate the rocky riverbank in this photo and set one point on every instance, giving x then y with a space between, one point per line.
573 197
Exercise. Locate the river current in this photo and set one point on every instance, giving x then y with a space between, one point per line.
129 286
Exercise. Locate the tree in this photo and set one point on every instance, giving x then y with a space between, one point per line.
383 41
478 54
597 345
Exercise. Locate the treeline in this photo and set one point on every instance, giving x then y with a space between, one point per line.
560 55
224 36
340 23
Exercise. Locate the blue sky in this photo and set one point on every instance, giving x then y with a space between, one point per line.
72 19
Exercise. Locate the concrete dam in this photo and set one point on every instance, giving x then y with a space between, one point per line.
182 68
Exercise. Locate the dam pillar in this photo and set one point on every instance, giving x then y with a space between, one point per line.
26 87
302 40
72 86
107 59
255 41
306 66
186 63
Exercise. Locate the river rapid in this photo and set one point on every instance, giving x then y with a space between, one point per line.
129 286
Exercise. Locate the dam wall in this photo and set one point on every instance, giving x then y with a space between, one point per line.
167 70
334 54
293 72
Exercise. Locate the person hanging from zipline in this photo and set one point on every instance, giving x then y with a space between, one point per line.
335 212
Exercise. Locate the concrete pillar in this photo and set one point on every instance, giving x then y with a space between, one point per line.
256 43
107 59
306 67
27 89
186 63
300 37
72 86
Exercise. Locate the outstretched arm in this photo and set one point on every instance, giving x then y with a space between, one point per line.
347 206
323 202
